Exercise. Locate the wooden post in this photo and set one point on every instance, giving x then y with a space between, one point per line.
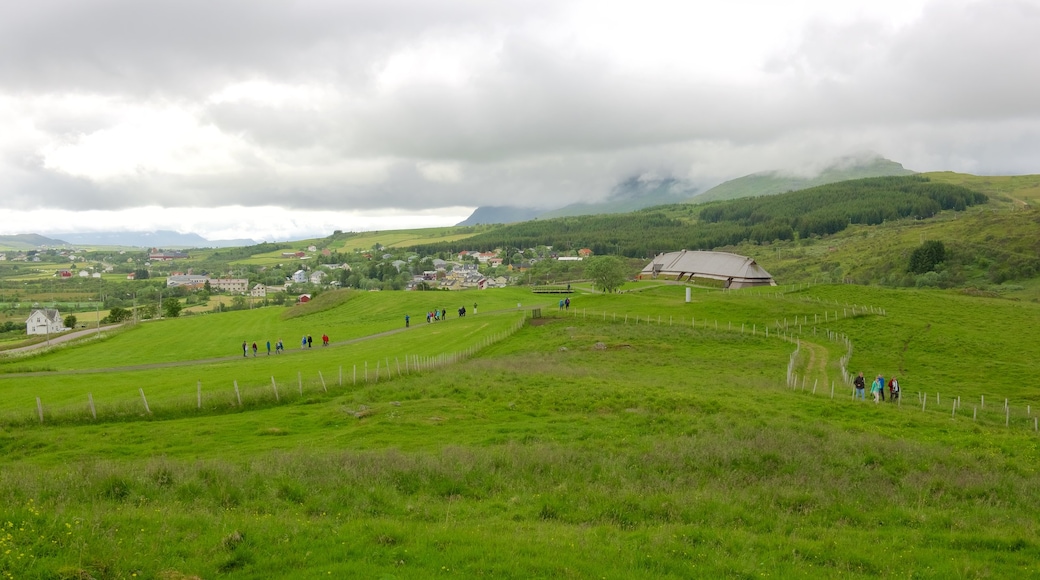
149 411
924 401
398 361
238 395
274 387
832 389
814 386
299 381
198 394
982 401
355 375
322 382
90 401
39 409
937 399
974 413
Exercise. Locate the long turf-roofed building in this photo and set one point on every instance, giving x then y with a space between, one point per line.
733 270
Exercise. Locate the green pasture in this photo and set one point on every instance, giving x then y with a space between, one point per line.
634 435
365 241
1018 189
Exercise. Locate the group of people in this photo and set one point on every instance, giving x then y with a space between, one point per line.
877 388
439 314
279 347
308 340
566 302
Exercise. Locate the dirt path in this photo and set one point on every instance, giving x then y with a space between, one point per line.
816 367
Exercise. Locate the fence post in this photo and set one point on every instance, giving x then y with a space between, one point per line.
832 389
238 395
198 394
299 381
149 411
90 400
274 387
322 382
39 409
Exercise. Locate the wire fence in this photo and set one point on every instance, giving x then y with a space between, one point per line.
207 399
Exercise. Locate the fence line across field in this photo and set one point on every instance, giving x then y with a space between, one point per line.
218 398
789 330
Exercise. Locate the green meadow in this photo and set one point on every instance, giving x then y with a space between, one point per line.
633 435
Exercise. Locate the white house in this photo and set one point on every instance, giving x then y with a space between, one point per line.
317 276
258 291
299 276
44 321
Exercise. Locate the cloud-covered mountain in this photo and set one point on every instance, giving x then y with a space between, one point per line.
781 181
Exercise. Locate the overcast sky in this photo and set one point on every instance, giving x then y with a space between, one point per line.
275 120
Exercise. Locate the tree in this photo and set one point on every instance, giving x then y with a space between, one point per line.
171 307
925 257
70 321
118 314
608 273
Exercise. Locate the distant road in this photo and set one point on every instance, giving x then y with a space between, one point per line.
58 339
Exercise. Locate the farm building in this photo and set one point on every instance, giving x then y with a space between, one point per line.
44 321
733 270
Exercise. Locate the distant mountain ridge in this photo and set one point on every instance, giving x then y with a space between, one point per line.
157 239
632 194
29 241
500 214
779 181
638 192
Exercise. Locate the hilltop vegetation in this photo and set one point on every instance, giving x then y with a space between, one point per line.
817 211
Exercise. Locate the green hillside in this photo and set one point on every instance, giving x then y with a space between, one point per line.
634 435
774 182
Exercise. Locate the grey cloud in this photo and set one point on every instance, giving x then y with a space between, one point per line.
956 89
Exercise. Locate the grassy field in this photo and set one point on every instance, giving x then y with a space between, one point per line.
634 435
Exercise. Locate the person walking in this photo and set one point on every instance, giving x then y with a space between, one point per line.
254 349
876 387
406 320
324 339
245 346
881 393
861 386
269 348
279 347
893 389
303 342
310 341
474 308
